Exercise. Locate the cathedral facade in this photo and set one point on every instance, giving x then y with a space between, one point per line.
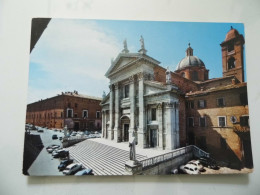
167 110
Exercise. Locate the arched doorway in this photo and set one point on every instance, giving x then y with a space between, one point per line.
125 122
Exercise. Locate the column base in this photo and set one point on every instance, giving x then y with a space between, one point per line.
110 134
117 135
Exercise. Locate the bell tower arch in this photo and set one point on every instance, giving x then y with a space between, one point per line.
232 55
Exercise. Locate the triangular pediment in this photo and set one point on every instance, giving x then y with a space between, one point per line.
127 59
152 87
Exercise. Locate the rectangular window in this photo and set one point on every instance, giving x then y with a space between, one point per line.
126 91
190 122
202 122
85 113
153 114
61 114
202 103
244 121
190 104
69 113
98 114
76 105
221 121
220 102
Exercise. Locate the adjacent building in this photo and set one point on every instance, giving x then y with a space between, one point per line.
168 110
77 111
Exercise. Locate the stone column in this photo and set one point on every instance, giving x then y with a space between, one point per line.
132 106
170 125
177 129
116 127
142 125
160 125
105 120
103 123
111 111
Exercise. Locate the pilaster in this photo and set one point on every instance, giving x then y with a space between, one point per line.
132 106
116 127
160 125
111 111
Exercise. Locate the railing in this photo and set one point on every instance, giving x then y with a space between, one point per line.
171 155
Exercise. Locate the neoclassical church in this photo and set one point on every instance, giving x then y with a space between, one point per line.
166 109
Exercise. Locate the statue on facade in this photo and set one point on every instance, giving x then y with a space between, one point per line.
142 50
168 76
125 50
132 149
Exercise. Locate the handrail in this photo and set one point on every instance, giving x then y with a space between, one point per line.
170 155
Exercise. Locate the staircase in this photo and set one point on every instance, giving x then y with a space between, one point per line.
101 158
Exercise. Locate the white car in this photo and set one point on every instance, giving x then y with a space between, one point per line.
190 169
196 163
72 169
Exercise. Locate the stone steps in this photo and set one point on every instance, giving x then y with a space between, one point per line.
101 158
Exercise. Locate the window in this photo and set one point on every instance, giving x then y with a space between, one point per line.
243 99
231 63
202 103
244 121
221 121
153 114
61 114
126 91
220 102
183 74
190 104
194 76
98 114
76 105
202 121
69 113
190 122
85 113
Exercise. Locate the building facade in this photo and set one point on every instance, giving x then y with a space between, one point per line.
168 110
77 111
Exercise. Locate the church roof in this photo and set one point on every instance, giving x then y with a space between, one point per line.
190 60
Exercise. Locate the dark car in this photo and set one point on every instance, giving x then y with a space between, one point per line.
64 164
85 172
60 154
209 162
54 136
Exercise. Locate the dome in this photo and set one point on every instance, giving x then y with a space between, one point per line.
233 33
190 60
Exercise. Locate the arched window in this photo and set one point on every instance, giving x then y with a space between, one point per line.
183 74
194 76
231 63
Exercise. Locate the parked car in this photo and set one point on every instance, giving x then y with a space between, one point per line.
64 164
209 162
60 138
52 147
197 164
72 169
85 172
189 169
39 130
91 136
54 136
60 153
73 134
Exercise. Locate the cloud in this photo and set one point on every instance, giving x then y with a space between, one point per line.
72 54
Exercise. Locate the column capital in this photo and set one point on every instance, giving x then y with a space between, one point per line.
140 76
169 104
131 79
159 106
116 86
111 87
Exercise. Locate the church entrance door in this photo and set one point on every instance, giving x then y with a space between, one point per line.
153 135
126 134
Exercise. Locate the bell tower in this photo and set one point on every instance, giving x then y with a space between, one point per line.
232 55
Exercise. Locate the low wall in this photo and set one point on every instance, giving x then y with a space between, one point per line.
69 142
164 168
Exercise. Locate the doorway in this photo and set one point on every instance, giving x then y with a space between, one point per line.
153 136
126 133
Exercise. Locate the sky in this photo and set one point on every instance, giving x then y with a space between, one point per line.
74 54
